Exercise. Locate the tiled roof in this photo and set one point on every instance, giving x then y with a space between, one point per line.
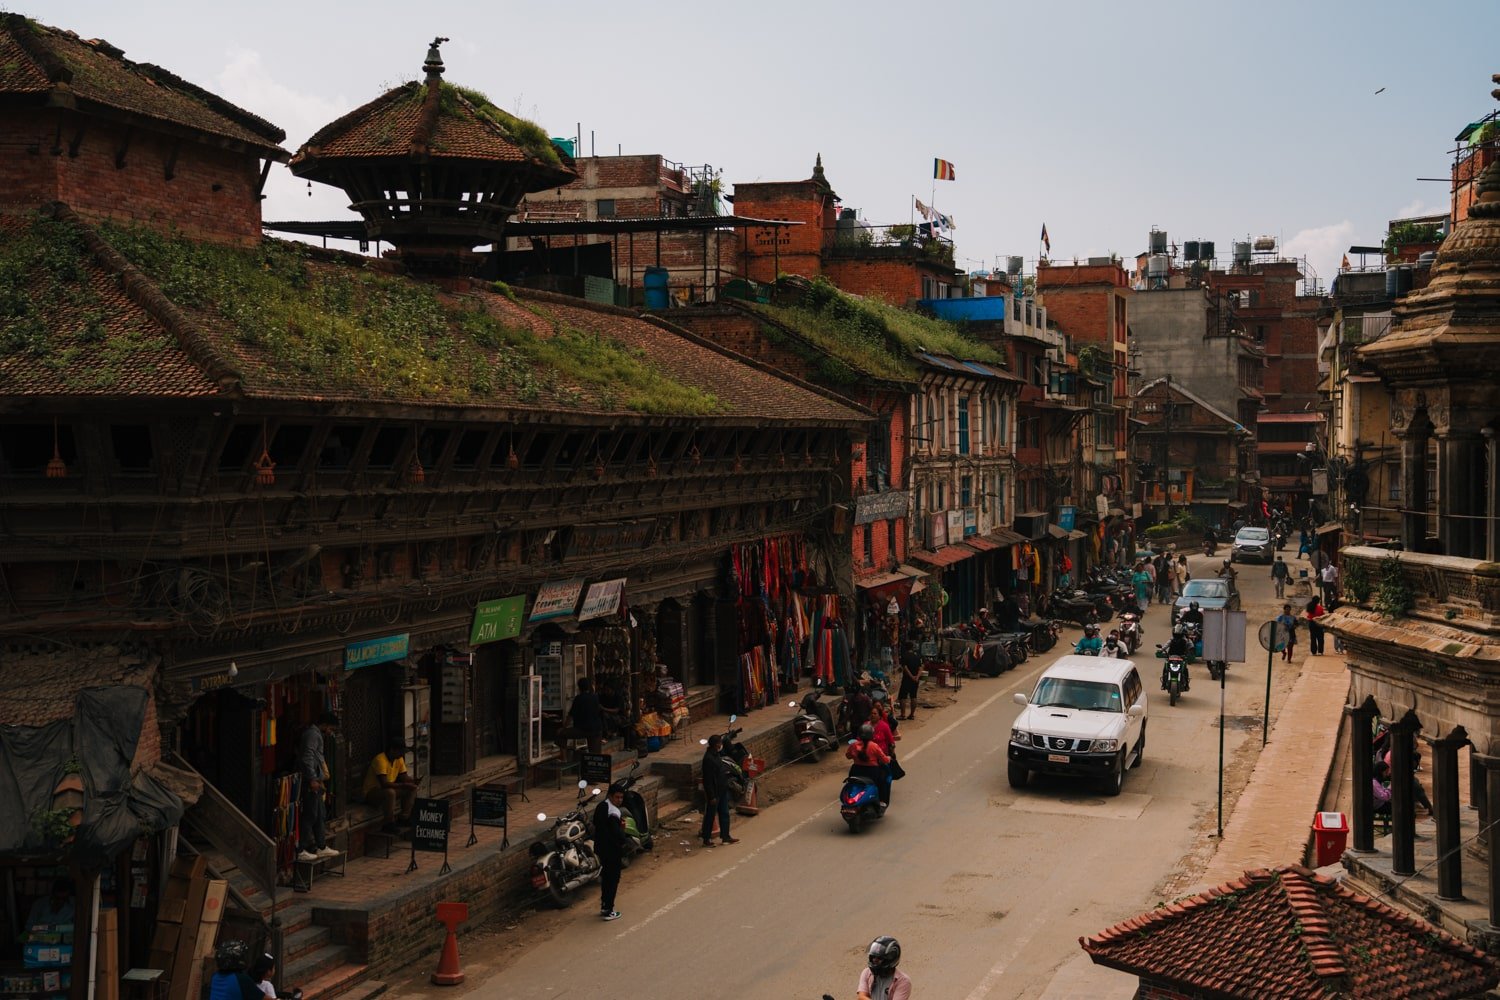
38 689
38 60
1290 934
68 328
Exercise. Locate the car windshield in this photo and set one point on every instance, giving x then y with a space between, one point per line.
1090 696
1252 535
1206 588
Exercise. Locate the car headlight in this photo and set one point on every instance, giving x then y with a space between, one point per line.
1106 746
1020 736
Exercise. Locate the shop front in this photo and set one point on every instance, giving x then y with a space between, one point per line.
884 619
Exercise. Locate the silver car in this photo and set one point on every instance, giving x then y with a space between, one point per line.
1253 545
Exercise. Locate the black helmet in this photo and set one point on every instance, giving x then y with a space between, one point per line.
232 956
1193 605
1091 630
885 954
867 732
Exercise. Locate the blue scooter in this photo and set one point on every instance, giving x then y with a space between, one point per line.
859 802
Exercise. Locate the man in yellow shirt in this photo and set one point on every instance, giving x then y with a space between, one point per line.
389 786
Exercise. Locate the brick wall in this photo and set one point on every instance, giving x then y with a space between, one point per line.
793 249
212 194
1149 990
895 281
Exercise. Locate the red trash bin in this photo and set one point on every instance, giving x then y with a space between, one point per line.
1330 837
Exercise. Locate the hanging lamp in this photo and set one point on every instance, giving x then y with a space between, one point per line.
56 468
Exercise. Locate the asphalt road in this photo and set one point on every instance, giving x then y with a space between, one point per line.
987 888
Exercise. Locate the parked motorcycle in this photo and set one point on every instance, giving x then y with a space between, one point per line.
566 861
1070 608
859 802
1177 673
1041 634
638 839
813 728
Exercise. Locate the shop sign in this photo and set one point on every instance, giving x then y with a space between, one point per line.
1067 517
955 526
429 831
602 599
596 767
496 620
937 531
881 506
971 522
556 600
490 805
373 651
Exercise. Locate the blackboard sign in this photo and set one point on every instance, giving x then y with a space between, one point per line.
595 767
489 805
430 825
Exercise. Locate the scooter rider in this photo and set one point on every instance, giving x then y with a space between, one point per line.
1112 646
870 761
881 980
1192 616
1177 646
1090 644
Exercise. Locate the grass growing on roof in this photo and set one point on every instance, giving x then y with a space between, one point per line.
356 330
527 134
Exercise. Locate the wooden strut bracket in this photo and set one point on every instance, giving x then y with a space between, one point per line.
123 148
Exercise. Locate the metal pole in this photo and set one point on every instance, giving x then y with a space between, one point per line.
1223 675
1265 721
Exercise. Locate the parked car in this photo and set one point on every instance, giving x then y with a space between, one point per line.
1210 595
1086 717
1253 545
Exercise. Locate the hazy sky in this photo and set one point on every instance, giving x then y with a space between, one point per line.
1208 119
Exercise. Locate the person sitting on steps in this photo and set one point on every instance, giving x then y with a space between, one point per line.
389 787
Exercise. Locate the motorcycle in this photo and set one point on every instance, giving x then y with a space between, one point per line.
568 862
638 839
1210 547
1177 673
1041 635
1131 631
814 733
859 802
734 754
1076 609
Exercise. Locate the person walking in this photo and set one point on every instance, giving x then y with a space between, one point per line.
1180 574
609 845
1313 612
1280 573
911 674
715 793
1149 567
313 765
1288 622
1163 579
1328 581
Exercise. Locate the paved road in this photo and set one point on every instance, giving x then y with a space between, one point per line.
987 888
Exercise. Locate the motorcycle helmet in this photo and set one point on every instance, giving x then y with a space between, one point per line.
1192 605
885 954
1178 630
867 732
232 956
1091 630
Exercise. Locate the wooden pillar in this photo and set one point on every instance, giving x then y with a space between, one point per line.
1403 736
1413 490
1445 810
1491 768
1361 750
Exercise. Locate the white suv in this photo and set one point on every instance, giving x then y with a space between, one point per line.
1086 717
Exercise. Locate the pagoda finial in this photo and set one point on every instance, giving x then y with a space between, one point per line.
433 66
818 170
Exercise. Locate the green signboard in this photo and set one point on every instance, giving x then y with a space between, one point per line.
496 620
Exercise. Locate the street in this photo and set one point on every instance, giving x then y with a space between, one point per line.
987 888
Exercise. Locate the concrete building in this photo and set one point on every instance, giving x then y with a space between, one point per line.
1192 334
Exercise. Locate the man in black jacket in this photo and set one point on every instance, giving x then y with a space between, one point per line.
609 844
716 793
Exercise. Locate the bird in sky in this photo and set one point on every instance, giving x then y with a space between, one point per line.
1380 91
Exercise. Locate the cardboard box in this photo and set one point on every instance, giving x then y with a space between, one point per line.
189 868
214 898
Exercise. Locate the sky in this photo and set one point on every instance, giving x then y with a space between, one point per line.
1309 122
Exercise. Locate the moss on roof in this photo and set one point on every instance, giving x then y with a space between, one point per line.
868 336
296 321
524 133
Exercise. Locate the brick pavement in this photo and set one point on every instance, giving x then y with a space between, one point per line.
1271 822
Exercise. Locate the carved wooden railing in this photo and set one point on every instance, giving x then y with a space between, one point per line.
1459 593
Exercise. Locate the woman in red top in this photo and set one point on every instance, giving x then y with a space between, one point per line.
885 738
870 761
1312 613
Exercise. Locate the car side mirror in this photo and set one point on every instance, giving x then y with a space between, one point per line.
1136 711
1019 699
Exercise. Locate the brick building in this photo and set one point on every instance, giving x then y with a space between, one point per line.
1192 454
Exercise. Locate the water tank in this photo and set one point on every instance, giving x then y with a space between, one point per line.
1013 265
1427 258
1390 283
1158 241
1190 250
1156 265
1403 279
655 283
1206 250
1242 251
1265 244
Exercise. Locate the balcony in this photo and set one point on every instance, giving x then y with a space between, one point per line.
1457 594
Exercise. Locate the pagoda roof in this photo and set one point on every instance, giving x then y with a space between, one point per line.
49 67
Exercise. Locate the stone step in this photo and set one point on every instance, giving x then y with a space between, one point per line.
314 966
366 990
338 980
304 941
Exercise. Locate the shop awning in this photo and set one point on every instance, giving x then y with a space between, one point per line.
1329 528
911 571
1007 537
948 555
1236 503
1075 535
981 544
1057 531
873 581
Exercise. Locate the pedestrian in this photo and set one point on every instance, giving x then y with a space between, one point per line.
911 675
1312 613
715 793
609 847
1149 568
1305 545
1181 574
1163 578
1142 581
1328 580
313 766
1288 622
1280 573
585 718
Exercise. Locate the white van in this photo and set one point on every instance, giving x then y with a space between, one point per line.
1086 717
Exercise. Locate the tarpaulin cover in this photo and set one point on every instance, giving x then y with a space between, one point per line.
118 807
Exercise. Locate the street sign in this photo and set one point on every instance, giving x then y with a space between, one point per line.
595 767
1274 636
430 825
1224 635
490 805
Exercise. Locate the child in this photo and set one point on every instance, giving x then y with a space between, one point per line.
261 972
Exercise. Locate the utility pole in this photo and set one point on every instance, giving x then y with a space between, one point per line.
1166 450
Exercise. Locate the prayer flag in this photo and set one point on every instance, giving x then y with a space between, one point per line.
1045 241
1345 265
923 210
942 170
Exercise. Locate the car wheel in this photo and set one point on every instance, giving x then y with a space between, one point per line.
1116 779
1017 774
1140 748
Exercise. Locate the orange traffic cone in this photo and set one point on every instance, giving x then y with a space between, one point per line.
450 915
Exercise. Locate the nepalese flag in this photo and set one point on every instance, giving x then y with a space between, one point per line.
1045 241
942 170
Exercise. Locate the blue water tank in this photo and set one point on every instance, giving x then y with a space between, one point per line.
655 284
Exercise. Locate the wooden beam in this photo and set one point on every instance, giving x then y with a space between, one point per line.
124 147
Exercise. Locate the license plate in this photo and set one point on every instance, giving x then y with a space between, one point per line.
1058 758
539 880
